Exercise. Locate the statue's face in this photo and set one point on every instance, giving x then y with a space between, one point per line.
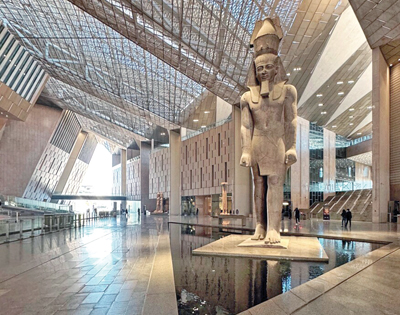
265 68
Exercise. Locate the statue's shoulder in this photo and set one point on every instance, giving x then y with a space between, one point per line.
245 97
290 90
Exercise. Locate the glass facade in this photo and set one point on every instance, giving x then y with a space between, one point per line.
316 146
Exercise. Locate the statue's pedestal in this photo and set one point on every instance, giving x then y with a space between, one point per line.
284 244
298 249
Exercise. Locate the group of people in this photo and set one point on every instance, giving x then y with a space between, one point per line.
346 217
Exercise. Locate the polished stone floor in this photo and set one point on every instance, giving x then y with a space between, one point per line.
102 268
114 266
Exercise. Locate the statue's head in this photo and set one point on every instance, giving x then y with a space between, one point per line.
267 65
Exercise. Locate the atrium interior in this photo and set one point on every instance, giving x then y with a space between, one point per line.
122 145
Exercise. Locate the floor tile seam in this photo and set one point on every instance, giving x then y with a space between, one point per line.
156 256
338 284
151 272
45 262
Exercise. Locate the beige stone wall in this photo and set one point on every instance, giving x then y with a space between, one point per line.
395 132
381 137
13 104
133 175
21 148
207 160
159 173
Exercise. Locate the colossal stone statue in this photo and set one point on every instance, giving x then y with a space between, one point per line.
269 121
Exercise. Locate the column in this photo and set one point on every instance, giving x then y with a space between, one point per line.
79 142
329 163
145 150
175 144
123 177
242 187
300 171
381 137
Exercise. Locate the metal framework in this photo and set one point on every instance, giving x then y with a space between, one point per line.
130 66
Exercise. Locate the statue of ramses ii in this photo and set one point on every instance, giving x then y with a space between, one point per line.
269 121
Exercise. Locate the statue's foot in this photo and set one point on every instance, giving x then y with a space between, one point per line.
273 237
260 233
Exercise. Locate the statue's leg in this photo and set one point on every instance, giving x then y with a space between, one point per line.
260 188
274 206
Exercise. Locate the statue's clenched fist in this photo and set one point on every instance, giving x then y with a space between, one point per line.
290 157
245 160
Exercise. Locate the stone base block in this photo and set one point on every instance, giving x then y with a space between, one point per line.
299 249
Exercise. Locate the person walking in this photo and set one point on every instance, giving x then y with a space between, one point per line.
349 215
344 217
297 215
138 212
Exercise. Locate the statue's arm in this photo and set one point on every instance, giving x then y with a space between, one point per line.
246 130
290 124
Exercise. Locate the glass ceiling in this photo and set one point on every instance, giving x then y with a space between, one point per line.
140 64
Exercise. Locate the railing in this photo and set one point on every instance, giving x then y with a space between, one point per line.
361 139
35 226
28 204
209 127
342 186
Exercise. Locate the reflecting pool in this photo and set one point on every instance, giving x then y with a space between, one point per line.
224 285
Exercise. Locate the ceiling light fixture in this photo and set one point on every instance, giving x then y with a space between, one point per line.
288 74
320 104
163 133
340 93
359 133
319 95
351 117
351 124
203 126
323 113
334 126
391 65
350 82
195 120
351 109
340 82
206 112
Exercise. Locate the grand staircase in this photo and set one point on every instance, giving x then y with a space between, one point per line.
358 201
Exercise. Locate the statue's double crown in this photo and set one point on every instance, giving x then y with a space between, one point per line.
266 37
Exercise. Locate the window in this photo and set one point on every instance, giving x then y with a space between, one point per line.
201 177
206 148
212 176
219 144
226 171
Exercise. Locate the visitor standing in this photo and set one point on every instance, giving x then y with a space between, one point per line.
349 216
344 217
138 212
297 215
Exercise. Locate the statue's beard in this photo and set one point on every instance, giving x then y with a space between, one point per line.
264 88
